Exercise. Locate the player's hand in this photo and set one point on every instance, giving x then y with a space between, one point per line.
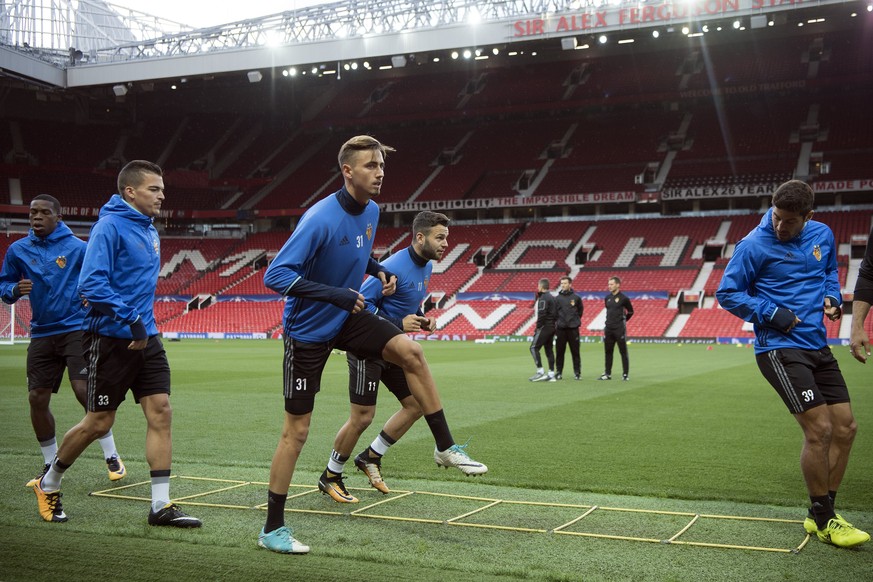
25 286
832 311
359 302
784 320
429 324
413 323
389 285
138 345
859 345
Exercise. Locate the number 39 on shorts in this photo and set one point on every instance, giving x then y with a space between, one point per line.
808 395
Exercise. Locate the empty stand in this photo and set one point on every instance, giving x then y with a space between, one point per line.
714 322
229 317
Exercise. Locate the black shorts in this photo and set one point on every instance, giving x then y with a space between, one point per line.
364 377
48 356
363 334
804 379
113 370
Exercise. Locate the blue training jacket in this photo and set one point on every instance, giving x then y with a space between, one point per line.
120 271
53 264
413 275
329 248
764 274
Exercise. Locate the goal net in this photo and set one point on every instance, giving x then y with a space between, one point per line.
15 322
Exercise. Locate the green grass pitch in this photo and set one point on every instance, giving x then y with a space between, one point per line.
695 431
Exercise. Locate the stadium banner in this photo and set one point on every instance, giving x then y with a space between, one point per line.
750 341
585 295
248 298
172 298
495 296
512 202
739 190
439 337
86 211
594 16
640 295
177 335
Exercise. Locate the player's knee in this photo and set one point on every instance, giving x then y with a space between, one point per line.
39 399
158 414
409 356
361 420
161 414
819 434
97 424
845 432
294 435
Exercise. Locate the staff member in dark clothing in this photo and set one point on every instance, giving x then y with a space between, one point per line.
859 343
547 313
618 312
567 330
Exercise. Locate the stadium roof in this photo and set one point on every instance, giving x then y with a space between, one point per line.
63 43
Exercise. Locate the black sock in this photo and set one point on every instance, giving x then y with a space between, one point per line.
59 465
832 495
275 511
822 510
440 429
386 437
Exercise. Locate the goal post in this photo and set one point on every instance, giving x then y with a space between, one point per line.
15 322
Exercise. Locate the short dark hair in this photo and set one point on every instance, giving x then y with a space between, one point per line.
133 174
567 277
360 143
794 196
544 283
426 220
51 199
616 279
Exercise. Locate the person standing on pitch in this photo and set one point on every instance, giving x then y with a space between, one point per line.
319 270
121 342
46 266
783 278
570 311
544 334
859 343
413 268
618 312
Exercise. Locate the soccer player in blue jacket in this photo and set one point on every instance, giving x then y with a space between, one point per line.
45 266
320 269
413 268
121 343
782 277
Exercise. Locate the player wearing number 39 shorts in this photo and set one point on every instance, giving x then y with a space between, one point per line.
782 277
